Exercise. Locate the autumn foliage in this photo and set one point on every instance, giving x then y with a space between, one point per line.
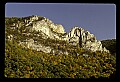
21 62
27 63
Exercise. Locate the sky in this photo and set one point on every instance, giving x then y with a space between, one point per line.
98 19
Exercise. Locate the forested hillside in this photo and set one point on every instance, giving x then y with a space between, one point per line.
27 63
22 62
110 44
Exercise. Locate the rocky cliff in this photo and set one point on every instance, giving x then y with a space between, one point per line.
47 29
84 39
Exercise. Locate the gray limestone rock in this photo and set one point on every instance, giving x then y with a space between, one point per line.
77 35
46 23
85 40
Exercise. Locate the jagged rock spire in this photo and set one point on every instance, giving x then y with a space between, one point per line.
85 39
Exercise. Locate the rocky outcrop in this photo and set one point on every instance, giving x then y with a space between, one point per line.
45 26
84 40
30 43
38 47
77 36
38 25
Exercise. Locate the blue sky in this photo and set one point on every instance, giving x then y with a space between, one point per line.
99 19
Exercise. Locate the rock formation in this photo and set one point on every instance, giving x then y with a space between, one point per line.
84 40
77 36
43 25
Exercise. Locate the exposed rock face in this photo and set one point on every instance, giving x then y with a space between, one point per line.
43 24
59 28
39 47
85 40
77 36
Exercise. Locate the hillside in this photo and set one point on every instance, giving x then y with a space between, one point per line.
35 47
110 44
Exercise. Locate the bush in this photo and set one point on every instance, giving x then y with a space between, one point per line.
110 45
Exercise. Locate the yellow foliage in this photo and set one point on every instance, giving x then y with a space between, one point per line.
80 67
55 62
85 65
59 60
28 68
104 67
27 75
70 67
72 75
12 75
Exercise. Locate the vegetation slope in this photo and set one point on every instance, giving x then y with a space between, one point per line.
27 63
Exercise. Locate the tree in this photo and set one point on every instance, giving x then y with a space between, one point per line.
110 45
